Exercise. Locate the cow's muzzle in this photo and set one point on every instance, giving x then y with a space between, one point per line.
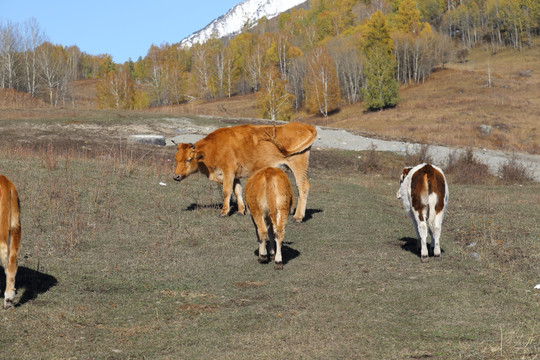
178 177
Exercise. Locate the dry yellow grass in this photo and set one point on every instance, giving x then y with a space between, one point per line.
239 106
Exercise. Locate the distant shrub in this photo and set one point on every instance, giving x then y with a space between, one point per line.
49 157
370 161
462 54
465 168
419 157
512 172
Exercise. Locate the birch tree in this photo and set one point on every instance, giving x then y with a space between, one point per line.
273 99
33 38
10 47
322 86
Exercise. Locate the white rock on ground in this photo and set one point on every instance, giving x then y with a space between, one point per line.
148 139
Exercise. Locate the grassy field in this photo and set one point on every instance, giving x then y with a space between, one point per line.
114 265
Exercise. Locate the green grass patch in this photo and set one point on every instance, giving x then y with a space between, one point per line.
114 265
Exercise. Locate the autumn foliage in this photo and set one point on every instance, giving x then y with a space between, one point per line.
315 57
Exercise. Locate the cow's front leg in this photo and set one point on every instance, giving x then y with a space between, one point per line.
239 198
228 183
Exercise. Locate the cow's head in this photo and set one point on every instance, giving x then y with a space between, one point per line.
186 161
401 178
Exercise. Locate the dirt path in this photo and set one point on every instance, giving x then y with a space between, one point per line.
186 130
342 139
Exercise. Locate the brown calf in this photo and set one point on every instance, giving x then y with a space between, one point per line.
10 236
269 198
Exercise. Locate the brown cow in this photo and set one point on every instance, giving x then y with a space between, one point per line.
228 154
10 236
269 198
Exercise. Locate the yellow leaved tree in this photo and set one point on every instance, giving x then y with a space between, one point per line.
323 93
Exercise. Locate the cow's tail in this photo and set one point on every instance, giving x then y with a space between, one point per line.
272 194
296 139
432 202
5 210
15 212
10 225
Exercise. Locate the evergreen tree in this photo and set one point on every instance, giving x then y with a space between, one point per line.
381 89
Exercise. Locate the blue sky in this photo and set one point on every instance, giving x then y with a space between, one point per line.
121 28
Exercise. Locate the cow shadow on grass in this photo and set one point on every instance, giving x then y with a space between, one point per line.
30 282
309 214
234 209
287 252
410 245
195 207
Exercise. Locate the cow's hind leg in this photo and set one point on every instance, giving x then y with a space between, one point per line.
4 257
228 184
436 235
422 229
262 234
279 226
10 238
239 198
299 165
11 268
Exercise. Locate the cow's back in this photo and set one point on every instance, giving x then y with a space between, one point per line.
269 190
248 148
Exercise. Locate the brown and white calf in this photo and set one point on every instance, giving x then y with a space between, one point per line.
269 198
424 193
10 236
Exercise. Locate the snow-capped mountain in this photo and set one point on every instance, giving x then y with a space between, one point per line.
246 12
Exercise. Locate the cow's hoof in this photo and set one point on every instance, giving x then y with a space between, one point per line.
223 215
297 220
8 304
263 259
437 257
424 259
278 266
240 213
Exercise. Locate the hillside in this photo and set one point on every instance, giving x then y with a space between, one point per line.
455 100
448 108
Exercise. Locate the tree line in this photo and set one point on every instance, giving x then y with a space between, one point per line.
30 63
314 57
